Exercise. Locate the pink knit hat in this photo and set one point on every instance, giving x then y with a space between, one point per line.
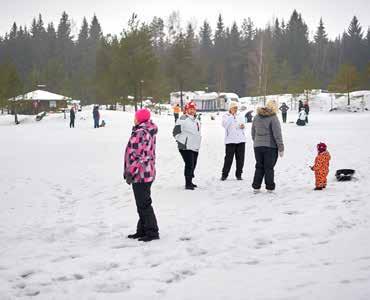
142 115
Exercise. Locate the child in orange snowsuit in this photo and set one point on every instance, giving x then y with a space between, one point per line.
321 166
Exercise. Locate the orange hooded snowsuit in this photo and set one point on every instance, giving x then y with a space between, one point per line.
321 168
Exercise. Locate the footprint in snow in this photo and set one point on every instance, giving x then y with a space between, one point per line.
115 287
263 220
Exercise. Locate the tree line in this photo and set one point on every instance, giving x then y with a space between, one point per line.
157 57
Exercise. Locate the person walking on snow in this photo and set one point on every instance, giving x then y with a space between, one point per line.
96 116
176 112
139 170
188 138
284 111
234 141
321 167
301 118
72 117
268 145
306 109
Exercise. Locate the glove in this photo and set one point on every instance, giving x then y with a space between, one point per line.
281 153
128 178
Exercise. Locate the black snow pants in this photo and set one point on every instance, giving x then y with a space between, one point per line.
237 150
266 159
147 224
284 115
190 159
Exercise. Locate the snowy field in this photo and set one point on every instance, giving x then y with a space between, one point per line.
65 213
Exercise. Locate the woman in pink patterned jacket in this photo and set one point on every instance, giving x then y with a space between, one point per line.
139 169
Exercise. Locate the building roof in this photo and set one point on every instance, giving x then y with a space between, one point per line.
40 95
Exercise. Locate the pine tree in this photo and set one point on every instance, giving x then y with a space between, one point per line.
205 54
84 32
354 48
95 31
320 53
220 54
296 46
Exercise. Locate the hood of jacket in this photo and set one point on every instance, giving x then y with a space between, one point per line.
148 126
265 112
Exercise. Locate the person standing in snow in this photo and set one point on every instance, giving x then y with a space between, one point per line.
268 145
321 167
234 141
188 138
300 105
72 117
249 117
306 109
96 116
139 170
301 118
284 111
176 112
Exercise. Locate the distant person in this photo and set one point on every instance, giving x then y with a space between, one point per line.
284 111
188 138
321 167
306 109
96 116
234 141
249 116
301 118
139 170
176 111
102 124
268 145
72 117
300 105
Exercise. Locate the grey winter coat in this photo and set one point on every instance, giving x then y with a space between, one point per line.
266 130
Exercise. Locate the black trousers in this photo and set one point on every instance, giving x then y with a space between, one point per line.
72 123
231 150
147 224
284 117
266 159
190 159
176 115
96 123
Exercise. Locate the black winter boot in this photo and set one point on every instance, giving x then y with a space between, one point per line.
135 236
188 184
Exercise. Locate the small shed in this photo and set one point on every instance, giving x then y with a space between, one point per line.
39 100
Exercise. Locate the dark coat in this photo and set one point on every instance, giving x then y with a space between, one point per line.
96 114
306 108
284 108
72 114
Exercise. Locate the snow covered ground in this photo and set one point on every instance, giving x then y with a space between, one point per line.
65 213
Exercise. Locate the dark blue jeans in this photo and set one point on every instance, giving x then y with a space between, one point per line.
96 123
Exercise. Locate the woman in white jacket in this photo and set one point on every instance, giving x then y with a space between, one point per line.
188 138
234 141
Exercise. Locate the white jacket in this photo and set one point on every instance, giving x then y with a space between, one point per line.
302 115
187 133
233 133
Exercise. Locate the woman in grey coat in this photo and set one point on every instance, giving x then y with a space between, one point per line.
268 145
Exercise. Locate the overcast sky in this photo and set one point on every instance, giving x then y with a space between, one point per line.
114 14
